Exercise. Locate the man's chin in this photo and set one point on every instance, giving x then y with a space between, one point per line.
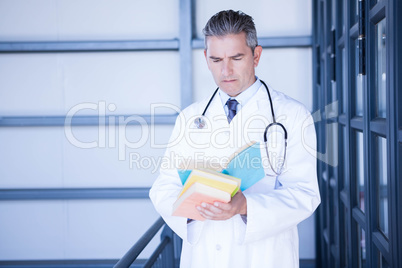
230 90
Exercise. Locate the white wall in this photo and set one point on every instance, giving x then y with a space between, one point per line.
55 20
115 83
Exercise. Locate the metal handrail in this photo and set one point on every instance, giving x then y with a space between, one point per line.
138 247
154 257
167 251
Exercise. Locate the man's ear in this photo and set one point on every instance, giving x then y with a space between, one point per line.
257 55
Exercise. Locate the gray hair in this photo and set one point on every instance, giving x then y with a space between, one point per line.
231 22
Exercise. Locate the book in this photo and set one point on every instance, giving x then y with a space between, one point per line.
246 163
213 179
185 205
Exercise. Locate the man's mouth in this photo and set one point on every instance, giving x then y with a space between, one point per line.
229 80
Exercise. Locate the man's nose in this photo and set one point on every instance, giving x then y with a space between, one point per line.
227 68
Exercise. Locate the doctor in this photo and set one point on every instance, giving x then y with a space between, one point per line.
258 228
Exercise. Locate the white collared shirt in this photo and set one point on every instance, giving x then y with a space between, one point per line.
242 98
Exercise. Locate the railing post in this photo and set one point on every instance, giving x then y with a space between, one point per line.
177 244
168 258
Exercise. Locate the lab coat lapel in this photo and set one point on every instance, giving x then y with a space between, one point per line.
256 114
216 113
257 105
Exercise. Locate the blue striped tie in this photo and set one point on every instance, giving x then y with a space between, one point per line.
232 104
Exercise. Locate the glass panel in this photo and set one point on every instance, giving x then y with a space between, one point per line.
325 246
362 248
334 215
345 160
359 84
332 261
333 91
359 170
324 202
332 155
341 17
344 81
383 262
382 185
333 14
344 247
357 8
381 69
354 10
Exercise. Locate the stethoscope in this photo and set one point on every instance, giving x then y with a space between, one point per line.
200 123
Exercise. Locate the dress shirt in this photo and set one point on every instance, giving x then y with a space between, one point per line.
242 98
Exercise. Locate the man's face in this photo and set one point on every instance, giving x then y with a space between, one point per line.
232 62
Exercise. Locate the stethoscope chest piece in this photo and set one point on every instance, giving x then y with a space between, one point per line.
199 122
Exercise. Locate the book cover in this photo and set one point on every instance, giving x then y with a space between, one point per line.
185 205
246 164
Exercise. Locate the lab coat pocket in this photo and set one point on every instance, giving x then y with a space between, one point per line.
288 245
239 229
194 231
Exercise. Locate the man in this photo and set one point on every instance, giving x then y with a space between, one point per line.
258 227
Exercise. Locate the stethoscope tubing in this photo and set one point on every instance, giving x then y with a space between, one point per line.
274 123
269 97
209 102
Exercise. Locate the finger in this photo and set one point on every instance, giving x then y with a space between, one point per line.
223 206
210 212
206 213
214 209
206 216
210 216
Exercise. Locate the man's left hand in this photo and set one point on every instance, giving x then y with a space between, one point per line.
222 211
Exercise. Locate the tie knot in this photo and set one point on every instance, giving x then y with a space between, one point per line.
232 104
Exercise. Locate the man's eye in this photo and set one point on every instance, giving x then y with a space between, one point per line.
237 58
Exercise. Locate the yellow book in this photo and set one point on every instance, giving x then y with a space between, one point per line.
214 179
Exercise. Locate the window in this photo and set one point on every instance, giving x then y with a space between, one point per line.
367 177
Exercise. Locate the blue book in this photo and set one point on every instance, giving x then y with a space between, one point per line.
245 164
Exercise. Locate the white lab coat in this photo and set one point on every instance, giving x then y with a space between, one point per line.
275 205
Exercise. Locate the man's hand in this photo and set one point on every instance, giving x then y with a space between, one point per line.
223 211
